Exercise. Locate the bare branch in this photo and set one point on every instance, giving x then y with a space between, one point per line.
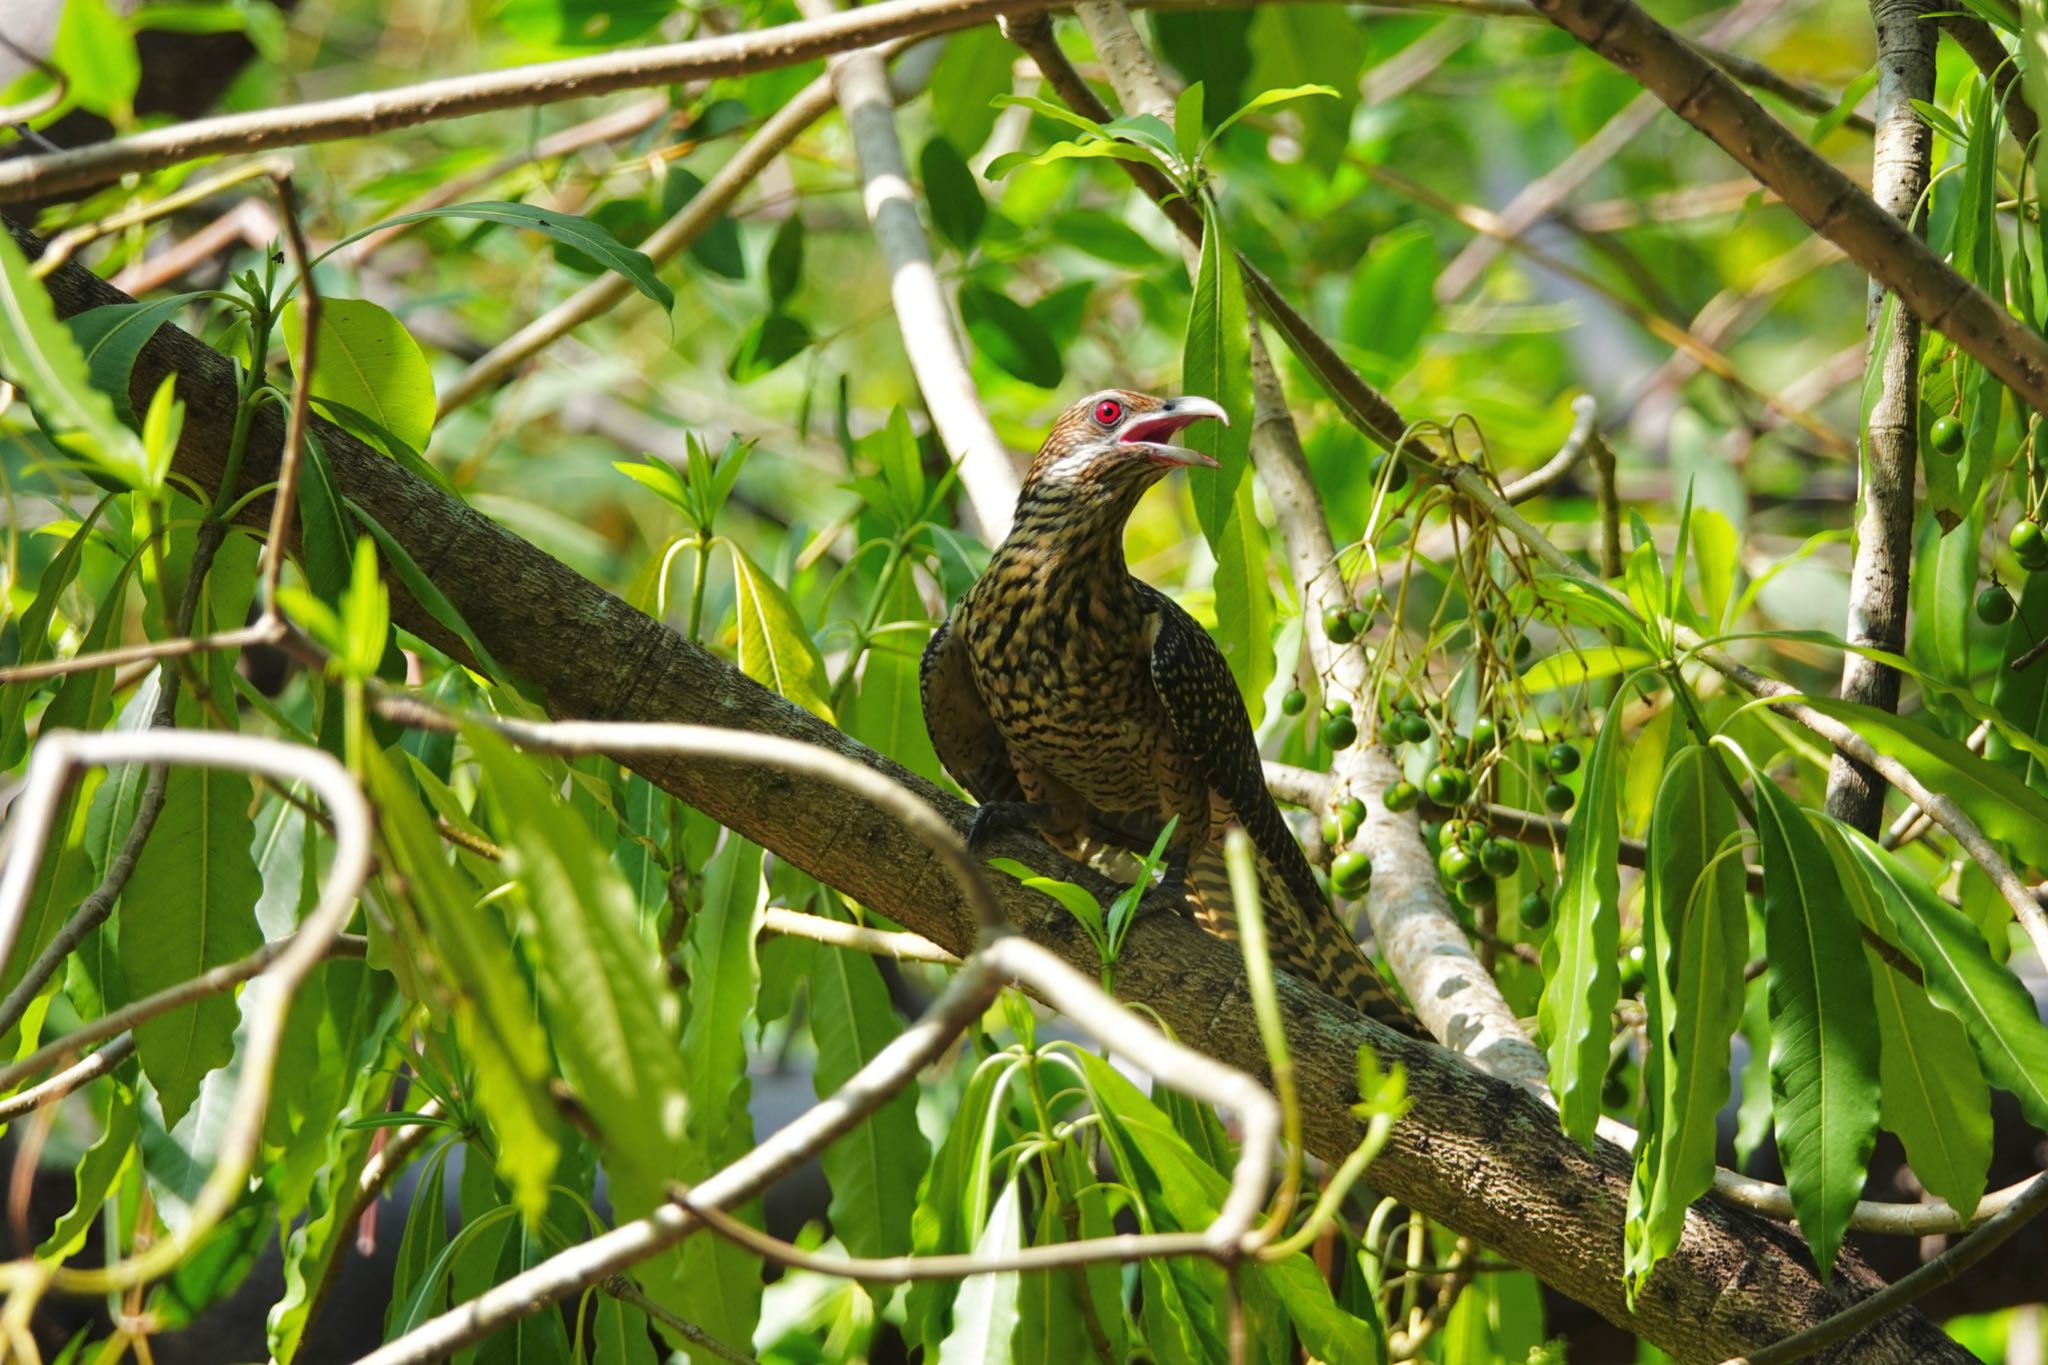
518 87
86 1069
860 937
1825 199
1585 413
931 338
1901 161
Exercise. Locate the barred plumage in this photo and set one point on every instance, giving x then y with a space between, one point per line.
1066 694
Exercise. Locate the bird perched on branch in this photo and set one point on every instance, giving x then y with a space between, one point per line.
1069 697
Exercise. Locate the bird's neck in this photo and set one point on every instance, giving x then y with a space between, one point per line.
1071 533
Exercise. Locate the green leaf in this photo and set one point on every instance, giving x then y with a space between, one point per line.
611 1016
492 1014
775 649
1581 977
1581 665
974 69
874 1169
365 615
952 193
1007 333
32 634
1209 46
774 339
99 1171
1962 977
785 267
1944 588
1322 43
1266 99
1215 364
985 1313
112 336
1075 900
588 238
581 23
717 247
1188 124
1106 238
190 906
1824 1044
366 360
38 354
887 711
2002 808
1934 1096
1393 295
1695 942
96 52
424 1239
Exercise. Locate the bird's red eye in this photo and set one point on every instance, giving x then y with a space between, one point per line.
1108 411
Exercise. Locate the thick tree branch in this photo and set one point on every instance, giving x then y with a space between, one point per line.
1479 1155
1827 200
1901 161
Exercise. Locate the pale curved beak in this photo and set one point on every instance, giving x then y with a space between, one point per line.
1156 430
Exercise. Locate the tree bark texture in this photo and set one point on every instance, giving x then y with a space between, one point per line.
1900 162
1482 1156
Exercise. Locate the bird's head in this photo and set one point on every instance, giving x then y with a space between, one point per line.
1117 441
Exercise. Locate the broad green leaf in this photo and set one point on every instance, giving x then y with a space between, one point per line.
717 247
2019 697
33 635
1266 99
96 52
974 69
887 712
1944 586
1007 333
492 1014
1068 151
1052 1326
426 1234
985 1313
610 1013
113 335
100 1170
952 194
588 238
1215 364
1106 238
619 1335
874 1169
1962 977
775 649
2002 808
38 354
1292 44
773 339
1581 974
658 476
364 359
1934 1097
1188 124
1580 665
947 1216
1210 46
1393 293
190 907
1824 1043
1695 941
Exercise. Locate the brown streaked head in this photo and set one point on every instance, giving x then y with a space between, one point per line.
1117 436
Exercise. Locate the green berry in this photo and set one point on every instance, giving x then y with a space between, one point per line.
1945 434
1295 702
1401 796
1500 858
1350 872
1350 815
1339 732
1994 605
1483 734
1447 784
1558 798
2035 557
1337 707
1488 619
1337 626
1478 891
2026 538
1396 480
1535 910
1358 619
1407 702
1523 649
1415 729
1563 758
1457 864
1333 830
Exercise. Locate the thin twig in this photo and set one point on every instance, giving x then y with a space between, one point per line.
517 87
284 501
1585 412
625 1291
88 1068
881 942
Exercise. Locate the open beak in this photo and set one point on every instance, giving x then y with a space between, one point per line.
1155 430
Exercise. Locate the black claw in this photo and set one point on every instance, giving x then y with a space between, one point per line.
999 817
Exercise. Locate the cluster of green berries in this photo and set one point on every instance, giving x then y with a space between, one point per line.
2030 546
1351 869
1559 759
1473 864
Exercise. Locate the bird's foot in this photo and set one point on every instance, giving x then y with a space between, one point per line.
1000 817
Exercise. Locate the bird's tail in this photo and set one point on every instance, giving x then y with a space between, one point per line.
1306 939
